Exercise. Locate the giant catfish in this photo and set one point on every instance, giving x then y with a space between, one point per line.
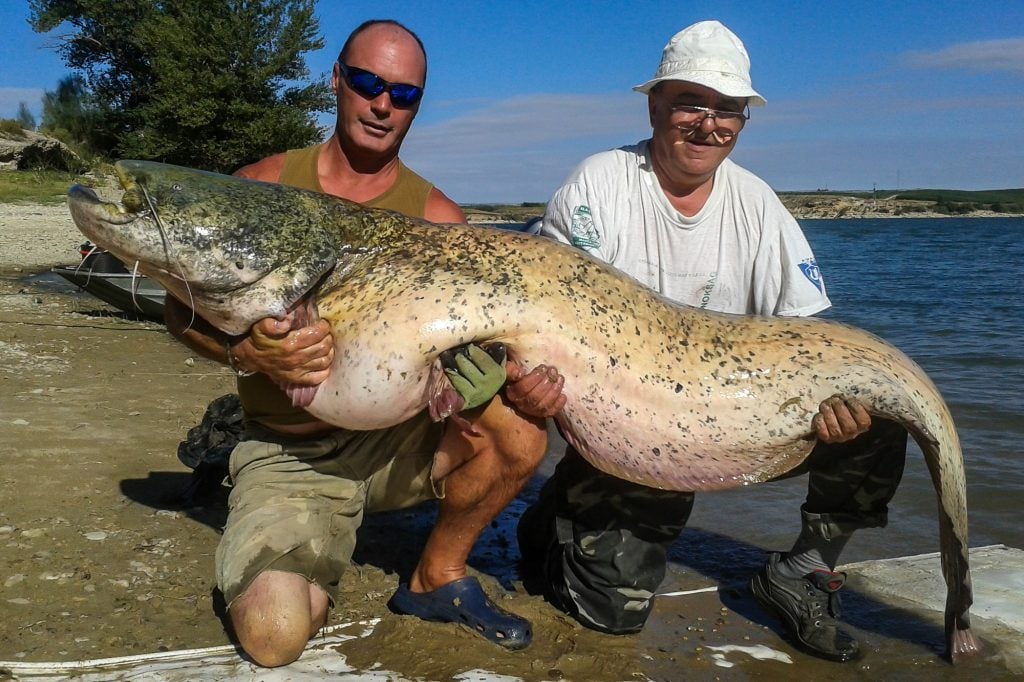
658 393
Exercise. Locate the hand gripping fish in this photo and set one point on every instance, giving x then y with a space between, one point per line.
657 393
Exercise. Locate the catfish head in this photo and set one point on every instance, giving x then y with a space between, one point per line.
235 250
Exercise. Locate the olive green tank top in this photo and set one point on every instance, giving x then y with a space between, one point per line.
262 400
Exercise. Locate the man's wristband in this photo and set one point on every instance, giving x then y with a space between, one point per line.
239 372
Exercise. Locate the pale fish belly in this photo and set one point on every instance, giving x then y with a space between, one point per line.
718 438
371 385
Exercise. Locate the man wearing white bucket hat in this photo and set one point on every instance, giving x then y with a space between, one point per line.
677 215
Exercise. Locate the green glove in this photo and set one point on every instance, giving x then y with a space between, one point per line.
475 373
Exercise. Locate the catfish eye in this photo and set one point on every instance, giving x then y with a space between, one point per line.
240 265
176 187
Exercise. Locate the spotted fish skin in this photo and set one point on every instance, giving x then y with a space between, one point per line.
657 393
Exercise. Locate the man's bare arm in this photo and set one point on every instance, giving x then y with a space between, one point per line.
194 331
301 356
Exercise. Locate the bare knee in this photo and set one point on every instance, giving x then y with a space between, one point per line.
276 616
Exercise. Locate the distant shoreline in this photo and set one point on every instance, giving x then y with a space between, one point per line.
919 216
823 205
844 208
811 207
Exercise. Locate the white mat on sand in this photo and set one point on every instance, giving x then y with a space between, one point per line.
223 663
213 663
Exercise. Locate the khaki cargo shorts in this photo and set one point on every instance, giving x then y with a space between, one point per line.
295 505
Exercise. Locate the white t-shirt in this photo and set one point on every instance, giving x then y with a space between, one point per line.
742 253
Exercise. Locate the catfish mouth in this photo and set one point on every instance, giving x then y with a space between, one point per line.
84 202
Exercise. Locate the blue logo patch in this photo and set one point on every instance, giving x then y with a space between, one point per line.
812 273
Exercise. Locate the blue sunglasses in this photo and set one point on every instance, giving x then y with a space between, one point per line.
370 85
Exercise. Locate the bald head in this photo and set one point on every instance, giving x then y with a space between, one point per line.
386 34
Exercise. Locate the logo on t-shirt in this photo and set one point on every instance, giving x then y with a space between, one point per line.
709 286
583 234
812 273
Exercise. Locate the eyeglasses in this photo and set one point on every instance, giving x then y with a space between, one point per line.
370 85
689 117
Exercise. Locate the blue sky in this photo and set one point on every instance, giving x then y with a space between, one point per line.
860 94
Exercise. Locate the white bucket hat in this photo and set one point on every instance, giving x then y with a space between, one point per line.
708 54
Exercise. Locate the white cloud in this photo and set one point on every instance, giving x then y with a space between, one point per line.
535 119
858 163
856 137
10 98
984 56
521 148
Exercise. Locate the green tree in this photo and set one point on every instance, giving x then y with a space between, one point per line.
207 83
67 111
25 117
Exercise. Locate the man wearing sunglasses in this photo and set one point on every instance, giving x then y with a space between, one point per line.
676 214
300 486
